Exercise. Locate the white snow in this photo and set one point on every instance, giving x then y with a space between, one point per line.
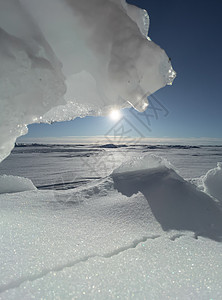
158 242
212 182
139 231
61 59
152 163
175 203
15 184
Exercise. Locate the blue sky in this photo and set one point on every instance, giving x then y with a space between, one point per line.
190 33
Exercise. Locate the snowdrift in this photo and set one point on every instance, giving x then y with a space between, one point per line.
212 182
15 184
158 242
175 203
61 59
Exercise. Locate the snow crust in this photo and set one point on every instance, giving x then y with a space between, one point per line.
212 182
61 59
175 203
141 232
15 184
144 162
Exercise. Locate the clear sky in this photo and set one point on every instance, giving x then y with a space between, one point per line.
191 34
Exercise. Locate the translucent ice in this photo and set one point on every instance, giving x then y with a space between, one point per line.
61 59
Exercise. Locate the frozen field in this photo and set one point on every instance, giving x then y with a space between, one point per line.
106 221
68 166
91 232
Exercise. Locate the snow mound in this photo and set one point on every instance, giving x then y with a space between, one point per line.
175 203
15 184
212 182
144 162
51 50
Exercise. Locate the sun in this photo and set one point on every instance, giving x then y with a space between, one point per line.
115 114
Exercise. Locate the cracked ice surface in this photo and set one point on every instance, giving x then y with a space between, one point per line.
96 242
61 59
51 235
103 248
121 276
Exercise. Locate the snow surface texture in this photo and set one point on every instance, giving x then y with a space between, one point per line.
95 242
175 203
65 166
14 184
61 59
212 182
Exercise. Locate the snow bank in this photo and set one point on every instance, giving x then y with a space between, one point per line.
95 54
212 182
96 243
14 184
175 203
143 162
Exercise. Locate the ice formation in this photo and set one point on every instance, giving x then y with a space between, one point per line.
61 59
171 198
15 184
93 242
212 182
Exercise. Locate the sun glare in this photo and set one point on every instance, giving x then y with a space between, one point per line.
115 114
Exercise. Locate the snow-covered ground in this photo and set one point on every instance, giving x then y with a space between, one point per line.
97 229
48 165
104 221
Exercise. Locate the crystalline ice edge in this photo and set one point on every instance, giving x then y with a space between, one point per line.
61 59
